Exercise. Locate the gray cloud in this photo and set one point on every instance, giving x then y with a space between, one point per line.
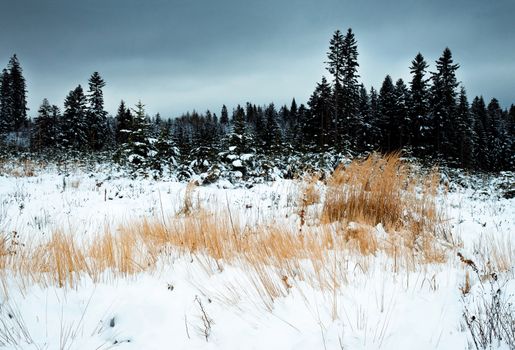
182 55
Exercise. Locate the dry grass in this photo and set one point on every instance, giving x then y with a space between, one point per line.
388 191
275 254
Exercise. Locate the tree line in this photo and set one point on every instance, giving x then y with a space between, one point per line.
429 117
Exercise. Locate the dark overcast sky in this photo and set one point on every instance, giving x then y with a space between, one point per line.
179 55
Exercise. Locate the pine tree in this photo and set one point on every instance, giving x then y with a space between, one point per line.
123 124
495 134
97 116
479 118
6 124
291 133
44 130
239 138
419 109
205 141
343 65
239 143
402 121
336 67
167 154
350 89
464 142
272 130
139 150
387 120
372 125
74 127
18 92
319 125
224 117
443 104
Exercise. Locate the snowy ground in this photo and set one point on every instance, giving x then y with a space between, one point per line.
183 305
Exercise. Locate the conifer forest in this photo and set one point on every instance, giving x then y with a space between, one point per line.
429 117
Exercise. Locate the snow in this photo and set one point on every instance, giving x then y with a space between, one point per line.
162 308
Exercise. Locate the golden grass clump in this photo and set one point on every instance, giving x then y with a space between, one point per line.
381 190
387 191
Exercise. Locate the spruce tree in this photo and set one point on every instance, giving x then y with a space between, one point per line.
319 125
350 89
74 127
239 144
387 121
44 130
224 116
464 141
239 138
373 122
97 116
443 104
291 133
479 118
419 108
336 67
139 150
6 123
123 124
167 154
272 131
495 134
18 92
402 119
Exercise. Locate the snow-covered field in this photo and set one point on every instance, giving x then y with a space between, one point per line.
191 301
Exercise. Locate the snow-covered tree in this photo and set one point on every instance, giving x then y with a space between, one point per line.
73 126
97 116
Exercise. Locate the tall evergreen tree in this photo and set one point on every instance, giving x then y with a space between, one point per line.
464 141
74 127
6 123
350 89
224 116
44 130
139 150
495 134
388 109
239 138
123 124
319 126
372 124
273 132
443 104
419 108
479 118
402 119
336 67
97 116
18 94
